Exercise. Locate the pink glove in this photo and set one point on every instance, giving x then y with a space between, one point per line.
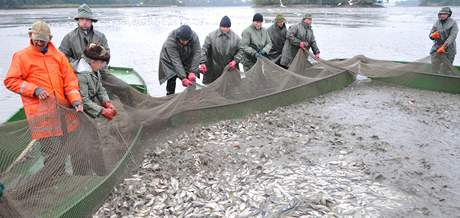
191 76
203 69
232 65
317 56
302 45
186 82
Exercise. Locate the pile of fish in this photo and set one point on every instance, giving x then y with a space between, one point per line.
273 164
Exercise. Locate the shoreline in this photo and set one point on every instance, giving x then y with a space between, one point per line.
52 6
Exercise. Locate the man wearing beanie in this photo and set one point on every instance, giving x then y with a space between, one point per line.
299 36
179 58
255 42
444 34
277 33
220 49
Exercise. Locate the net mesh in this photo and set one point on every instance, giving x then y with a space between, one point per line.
63 163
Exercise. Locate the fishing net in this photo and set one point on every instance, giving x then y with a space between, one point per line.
63 163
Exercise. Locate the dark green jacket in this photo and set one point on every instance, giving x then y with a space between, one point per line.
449 31
218 50
253 40
296 34
278 38
177 59
91 89
75 42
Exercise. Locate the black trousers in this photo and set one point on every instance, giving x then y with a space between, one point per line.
171 86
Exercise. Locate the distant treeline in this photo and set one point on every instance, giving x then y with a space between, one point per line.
316 2
439 2
44 3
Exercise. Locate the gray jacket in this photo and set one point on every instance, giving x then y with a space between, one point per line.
278 38
91 90
218 50
75 42
448 30
253 40
177 59
296 34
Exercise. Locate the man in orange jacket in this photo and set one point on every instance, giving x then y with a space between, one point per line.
44 78
41 72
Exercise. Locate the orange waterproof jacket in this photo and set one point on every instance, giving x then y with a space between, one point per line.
52 72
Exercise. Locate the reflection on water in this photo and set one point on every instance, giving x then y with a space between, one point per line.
136 35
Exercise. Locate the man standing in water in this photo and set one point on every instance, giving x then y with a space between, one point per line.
299 36
255 42
220 49
179 58
277 34
444 34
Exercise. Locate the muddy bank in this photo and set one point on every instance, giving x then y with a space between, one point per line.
368 150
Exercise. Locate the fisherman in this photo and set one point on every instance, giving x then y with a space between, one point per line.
75 42
43 77
277 33
444 34
220 49
179 58
255 42
299 36
96 102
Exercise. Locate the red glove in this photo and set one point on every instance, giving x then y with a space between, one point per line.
109 105
435 35
302 45
191 76
186 82
108 113
232 65
203 69
441 50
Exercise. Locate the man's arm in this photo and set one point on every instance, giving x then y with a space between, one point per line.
90 107
245 43
70 82
15 79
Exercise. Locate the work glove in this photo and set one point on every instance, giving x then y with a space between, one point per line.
232 65
109 105
441 50
203 68
317 56
108 113
192 77
435 35
302 45
77 106
186 82
41 93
